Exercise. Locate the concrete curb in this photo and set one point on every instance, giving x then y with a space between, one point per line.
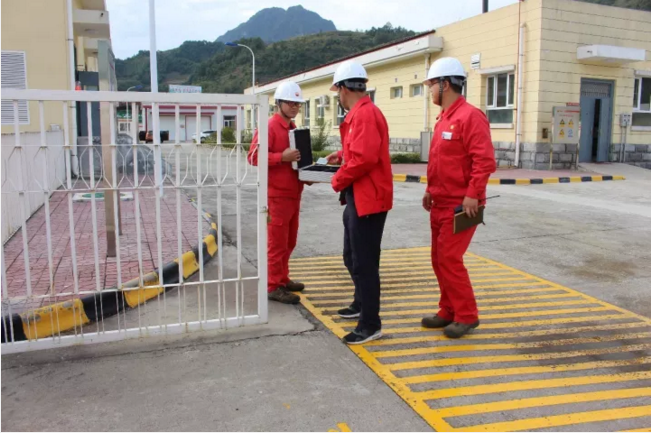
64 316
535 181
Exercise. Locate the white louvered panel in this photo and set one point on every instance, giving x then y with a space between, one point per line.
14 76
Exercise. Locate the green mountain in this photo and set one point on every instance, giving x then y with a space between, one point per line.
277 24
221 69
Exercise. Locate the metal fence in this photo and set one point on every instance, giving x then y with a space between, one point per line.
135 244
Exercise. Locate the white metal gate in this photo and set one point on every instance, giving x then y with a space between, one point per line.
135 244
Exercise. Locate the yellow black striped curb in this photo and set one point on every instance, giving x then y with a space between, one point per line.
64 316
535 181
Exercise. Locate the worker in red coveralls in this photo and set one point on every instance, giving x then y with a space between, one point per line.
461 159
284 194
365 184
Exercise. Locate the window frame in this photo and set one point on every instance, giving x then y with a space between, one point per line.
393 89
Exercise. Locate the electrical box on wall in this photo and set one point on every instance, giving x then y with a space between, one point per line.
625 119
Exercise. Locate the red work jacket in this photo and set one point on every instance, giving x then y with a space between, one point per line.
283 179
461 156
366 161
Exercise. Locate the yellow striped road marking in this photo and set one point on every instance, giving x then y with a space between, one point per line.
506 346
315 282
564 320
386 313
461 375
645 429
329 269
583 397
504 335
388 307
389 288
562 420
496 316
532 384
408 276
513 358
430 293
590 328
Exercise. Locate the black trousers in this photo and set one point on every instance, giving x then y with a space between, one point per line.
362 248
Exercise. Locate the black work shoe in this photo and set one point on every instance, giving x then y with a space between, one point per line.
435 322
349 313
458 330
294 286
282 295
361 337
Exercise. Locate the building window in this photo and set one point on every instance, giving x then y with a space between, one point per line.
371 94
230 122
306 113
341 114
14 76
396 92
416 90
642 102
499 98
320 109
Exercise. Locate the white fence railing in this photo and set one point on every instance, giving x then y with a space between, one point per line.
127 249
35 164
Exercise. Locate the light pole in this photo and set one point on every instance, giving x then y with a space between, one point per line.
233 44
138 87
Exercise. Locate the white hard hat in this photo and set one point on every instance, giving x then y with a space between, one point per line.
289 91
346 71
446 67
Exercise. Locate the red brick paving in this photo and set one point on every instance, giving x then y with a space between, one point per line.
83 231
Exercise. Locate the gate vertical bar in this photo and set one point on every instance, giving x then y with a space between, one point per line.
220 236
263 210
179 231
46 203
158 191
202 285
116 210
93 203
71 217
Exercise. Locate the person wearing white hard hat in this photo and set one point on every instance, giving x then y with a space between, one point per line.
461 160
284 193
365 184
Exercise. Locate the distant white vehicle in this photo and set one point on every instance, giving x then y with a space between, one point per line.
204 134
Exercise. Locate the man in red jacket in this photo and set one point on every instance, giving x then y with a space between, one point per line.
366 184
284 194
461 160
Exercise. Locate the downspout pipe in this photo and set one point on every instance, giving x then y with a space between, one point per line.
426 97
518 120
73 104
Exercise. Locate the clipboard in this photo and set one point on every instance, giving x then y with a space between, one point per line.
464 222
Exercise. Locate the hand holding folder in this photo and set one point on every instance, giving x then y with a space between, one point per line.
463 222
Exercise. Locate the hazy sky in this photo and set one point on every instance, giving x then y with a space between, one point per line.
181 20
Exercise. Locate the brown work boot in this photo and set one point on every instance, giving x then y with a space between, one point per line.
435 322
295 286
283 296
458 330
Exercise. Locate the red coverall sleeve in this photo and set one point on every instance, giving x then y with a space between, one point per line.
364 144
275 158
480 147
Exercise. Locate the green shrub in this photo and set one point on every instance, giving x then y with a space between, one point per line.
320 135
405 158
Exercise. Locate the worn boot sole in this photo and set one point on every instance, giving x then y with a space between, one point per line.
434 322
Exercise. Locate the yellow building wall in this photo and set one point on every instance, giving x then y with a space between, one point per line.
495 37
567 25
38 27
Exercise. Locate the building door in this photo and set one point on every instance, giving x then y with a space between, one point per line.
596 120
